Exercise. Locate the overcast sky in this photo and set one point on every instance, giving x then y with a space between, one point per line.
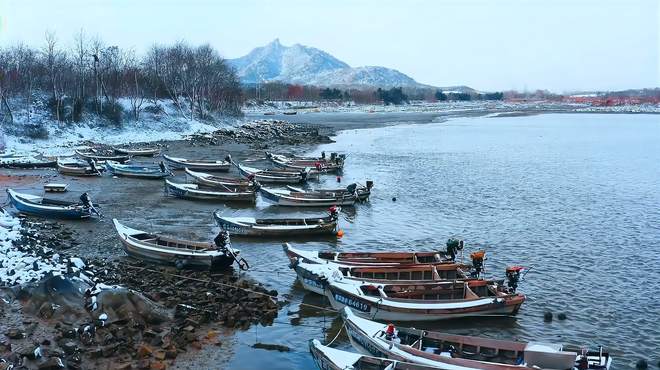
561 45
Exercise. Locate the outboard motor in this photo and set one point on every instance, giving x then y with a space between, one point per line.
86 200
228 158
221 240
333 156
334 212
352 188
303 175
323 154
162 166
513 277
453 246
370 184
478 258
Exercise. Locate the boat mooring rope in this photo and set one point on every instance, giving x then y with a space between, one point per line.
337 336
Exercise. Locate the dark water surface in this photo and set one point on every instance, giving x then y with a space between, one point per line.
575 196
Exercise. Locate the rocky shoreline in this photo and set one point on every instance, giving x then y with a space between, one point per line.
122 313
119 314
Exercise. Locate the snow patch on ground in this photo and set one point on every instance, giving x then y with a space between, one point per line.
162 121
19 266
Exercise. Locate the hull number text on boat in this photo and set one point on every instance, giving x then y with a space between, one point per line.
354 303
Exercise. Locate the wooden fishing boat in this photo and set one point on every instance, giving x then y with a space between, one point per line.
306 199
327 358
193 191
361 191
138 152
177 252
197 164
138 171
212 181
277 227
316 277
26 162
102 157
40 206
367 258
450 351
79 168
424 301
322 164
272 176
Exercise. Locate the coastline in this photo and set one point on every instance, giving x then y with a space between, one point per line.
244 143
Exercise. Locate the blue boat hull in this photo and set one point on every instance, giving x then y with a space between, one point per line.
64 213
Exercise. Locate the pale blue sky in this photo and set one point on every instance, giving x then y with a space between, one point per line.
487 44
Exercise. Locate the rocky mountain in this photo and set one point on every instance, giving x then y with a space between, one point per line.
310 66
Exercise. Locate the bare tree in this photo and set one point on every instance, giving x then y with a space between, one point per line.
132 83
5 83
96 46
54 60
80 54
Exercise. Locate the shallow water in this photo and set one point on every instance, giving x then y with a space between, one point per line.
574 196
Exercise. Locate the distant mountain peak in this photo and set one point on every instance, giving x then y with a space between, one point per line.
307 65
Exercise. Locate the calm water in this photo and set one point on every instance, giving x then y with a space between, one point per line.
574 196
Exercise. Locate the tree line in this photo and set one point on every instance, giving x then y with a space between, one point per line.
280 91
92 77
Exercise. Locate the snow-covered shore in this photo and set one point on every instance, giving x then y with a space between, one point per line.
169 124
20 265
63 137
